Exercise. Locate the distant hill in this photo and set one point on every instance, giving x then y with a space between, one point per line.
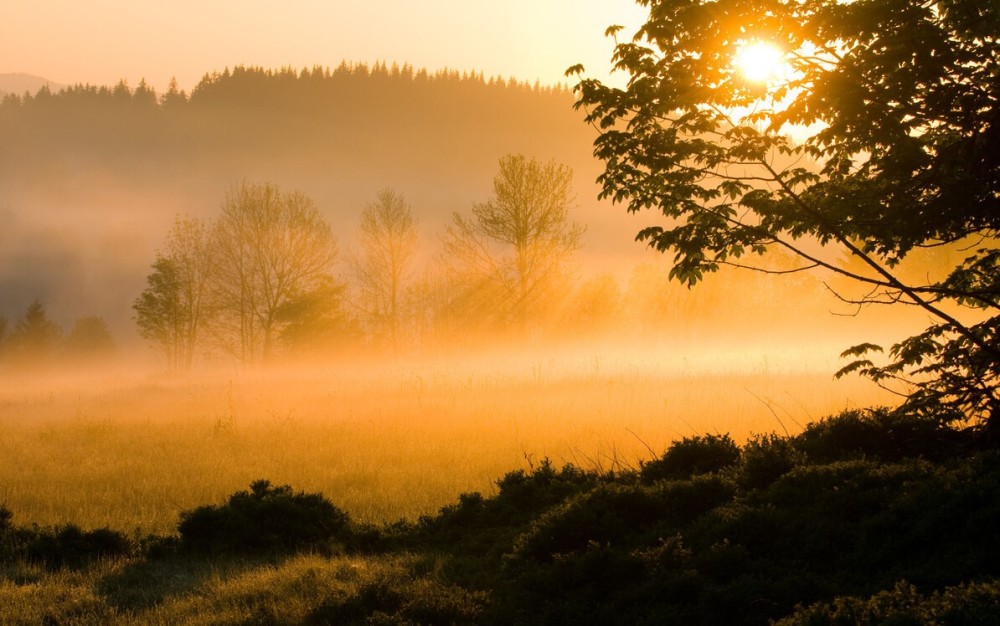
19 84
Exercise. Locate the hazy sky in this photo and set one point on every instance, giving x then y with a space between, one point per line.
102 41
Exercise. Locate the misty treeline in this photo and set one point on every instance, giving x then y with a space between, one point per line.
117 155
35 339
302 112
266 279
91 177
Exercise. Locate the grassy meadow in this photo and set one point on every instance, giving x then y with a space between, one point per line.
128 450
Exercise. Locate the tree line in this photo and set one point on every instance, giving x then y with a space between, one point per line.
260 277
352 107
266 279
36 339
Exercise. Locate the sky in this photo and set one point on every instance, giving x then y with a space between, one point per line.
100 42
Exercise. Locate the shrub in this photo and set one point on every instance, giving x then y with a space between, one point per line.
605 514
968 605
691 456
879 433
69 546
265 519
619 515
765 459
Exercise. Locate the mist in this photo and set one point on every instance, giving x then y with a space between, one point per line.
583 351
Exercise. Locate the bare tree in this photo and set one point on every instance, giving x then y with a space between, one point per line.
516 242
272 247
388 241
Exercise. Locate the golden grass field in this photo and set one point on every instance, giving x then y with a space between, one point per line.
131 450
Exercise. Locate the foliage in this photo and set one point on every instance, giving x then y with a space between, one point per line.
974 604
173 309
89 338
158 310
265 519
516 243
765 458
884 434
59 547
811 542
691 456
315 321
35 337
898 107
269 247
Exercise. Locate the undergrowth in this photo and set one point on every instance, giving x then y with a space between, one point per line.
867 517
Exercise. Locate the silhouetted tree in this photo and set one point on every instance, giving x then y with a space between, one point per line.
271 248
173 309
516 242
35 337
388 240
898 109
174 98
158 311
315 321
89 338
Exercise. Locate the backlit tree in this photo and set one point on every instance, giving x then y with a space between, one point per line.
514 245
894 106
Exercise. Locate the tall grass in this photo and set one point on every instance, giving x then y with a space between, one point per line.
382 441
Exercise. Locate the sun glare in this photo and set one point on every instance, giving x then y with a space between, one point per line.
759 61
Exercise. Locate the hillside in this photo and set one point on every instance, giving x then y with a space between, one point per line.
91 177
19 84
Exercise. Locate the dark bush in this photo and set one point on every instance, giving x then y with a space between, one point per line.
605 514
69 546
765 459
965 605
265 519
881 433
619 515
65 546
691 456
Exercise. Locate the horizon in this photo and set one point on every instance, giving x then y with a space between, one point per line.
111 41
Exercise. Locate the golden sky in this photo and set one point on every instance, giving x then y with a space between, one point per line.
102 41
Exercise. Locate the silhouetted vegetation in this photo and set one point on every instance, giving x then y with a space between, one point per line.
64 546
886 162
305 111
867 517
265 520
36 340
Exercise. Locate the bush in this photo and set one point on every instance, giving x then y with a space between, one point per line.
691 456
881 434
605 514
69 546
965 605
765 459
265 519
620 515
65 546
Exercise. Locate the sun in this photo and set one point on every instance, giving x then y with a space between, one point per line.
759 61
